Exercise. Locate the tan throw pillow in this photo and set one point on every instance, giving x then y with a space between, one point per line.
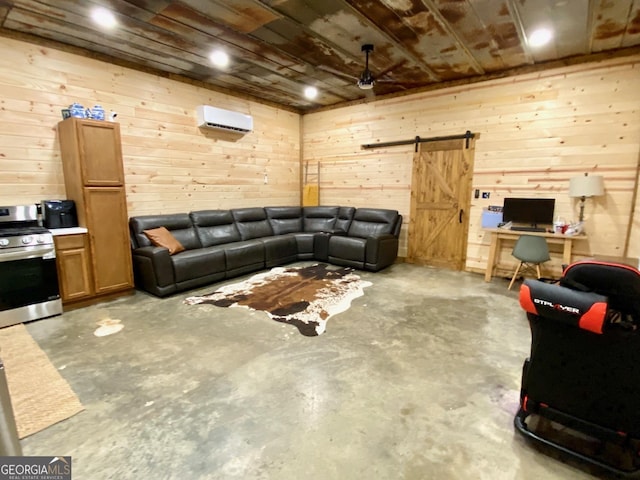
161 237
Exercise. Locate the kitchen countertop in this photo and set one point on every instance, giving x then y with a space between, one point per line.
67 231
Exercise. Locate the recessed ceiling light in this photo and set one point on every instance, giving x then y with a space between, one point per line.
310 92
540 37
219 58
103 17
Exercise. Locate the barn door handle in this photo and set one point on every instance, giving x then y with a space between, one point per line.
460 215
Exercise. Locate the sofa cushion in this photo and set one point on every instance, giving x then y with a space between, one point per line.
252 222
305 245
319 219
279 249
348 251
198 263
161 237
243 254
179 224
284 219
368 222
215 227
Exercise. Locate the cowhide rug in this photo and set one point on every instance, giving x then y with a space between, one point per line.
302 296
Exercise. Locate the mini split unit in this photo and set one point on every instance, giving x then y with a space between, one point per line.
212 117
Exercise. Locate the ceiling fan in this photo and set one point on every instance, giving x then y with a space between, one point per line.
366 80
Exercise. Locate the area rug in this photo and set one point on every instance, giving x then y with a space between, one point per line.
305 297
39 395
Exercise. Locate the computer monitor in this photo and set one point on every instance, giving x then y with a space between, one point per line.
530 211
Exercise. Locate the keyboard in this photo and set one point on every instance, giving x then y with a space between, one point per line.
528 229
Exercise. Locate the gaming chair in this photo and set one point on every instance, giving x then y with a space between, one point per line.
583 372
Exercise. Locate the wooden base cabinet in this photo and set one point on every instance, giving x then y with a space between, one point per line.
74 267
94 179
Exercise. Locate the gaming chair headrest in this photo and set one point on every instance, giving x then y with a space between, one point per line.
586 310
619 283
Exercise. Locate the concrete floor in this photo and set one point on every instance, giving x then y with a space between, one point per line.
419 379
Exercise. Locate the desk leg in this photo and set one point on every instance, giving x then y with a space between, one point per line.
566 253
492 257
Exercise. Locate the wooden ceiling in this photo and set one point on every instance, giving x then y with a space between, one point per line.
278 47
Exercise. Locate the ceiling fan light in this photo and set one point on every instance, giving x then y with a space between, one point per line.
365 85
366 80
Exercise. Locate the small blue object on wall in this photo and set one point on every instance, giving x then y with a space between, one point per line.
491 219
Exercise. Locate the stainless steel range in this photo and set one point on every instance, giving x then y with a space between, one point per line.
28 277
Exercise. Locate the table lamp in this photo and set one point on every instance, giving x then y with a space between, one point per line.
586 186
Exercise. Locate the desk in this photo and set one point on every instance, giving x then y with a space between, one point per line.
499 234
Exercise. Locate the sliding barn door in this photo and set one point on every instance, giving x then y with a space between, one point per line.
440 202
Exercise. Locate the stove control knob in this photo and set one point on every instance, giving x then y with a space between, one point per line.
4 242
26 240
40 239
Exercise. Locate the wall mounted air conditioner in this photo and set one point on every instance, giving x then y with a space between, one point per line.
212 117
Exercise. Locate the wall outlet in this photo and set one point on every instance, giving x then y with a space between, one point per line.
485 194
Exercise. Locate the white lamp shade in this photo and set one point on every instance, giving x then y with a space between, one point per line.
586 186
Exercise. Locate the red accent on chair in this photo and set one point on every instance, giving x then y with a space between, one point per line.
606 264
593 319
525 300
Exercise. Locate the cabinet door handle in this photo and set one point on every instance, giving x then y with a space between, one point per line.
460 215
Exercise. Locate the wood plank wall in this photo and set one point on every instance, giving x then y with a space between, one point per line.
170 165
536 132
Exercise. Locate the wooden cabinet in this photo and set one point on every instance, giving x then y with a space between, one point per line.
101 156
94 179
109 236
74 267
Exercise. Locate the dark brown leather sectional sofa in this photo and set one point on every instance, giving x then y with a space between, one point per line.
222 244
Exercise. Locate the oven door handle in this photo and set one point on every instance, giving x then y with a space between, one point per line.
47 252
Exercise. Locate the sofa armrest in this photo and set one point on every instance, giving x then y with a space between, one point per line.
153 267
381 251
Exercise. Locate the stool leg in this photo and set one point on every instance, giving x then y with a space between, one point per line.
513 279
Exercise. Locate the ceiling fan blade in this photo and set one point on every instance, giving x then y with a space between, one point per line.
390 69
400 81
406 85
336 72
